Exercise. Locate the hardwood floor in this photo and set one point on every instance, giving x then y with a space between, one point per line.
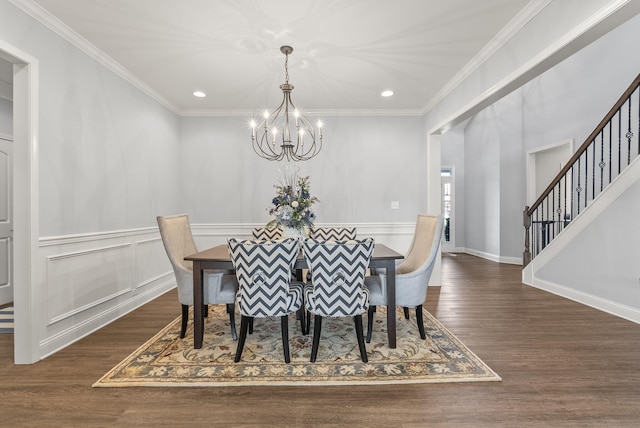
562 364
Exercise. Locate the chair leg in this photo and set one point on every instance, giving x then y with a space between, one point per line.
406 312
284 323
231 309
244 324
308 320
420 323
303 320
185 319
205 310
251 326
317 326
363 350
370 312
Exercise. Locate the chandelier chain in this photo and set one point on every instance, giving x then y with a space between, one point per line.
286 69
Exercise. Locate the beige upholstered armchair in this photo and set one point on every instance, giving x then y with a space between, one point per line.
218 287
412 274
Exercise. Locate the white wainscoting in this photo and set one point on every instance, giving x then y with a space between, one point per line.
91 280
88 281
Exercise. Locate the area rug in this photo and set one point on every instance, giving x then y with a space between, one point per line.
6 320
166 360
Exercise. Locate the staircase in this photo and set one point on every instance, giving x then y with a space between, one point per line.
608 151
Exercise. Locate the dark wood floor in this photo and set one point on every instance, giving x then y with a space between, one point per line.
562 364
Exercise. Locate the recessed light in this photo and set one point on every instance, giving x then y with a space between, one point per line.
199 94
387 93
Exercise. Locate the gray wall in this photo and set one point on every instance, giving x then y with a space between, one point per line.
482 182
365 163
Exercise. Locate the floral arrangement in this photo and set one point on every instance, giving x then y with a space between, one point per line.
293 202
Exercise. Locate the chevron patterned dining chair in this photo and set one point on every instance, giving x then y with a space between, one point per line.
338 234
267 233
337 284
412 274
265 288
333 233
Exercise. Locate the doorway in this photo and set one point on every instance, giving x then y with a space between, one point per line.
543 164
24 70
448 210
6 222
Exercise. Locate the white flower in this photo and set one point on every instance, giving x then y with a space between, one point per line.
294 204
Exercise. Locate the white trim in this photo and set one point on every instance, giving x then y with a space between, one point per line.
483 254
489 256
221 230
141 284
89 251
47 241
608 306
511 260
81 309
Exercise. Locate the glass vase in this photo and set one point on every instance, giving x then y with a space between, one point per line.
292 232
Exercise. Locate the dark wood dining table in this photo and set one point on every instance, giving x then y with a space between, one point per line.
218 258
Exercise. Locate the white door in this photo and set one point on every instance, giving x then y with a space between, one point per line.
6 224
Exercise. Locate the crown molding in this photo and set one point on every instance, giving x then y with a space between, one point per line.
532 9
54 24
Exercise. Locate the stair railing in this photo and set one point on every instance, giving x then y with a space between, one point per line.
610 148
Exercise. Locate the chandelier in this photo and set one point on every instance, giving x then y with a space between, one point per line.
280 136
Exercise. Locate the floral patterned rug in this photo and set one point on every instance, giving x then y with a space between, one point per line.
167 360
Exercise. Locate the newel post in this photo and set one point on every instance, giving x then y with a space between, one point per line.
526 221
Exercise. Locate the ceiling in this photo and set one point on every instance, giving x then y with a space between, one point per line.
346 52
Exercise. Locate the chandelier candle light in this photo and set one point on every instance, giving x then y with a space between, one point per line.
277 128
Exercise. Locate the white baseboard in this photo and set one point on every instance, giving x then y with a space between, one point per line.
608 306
489 256
482 254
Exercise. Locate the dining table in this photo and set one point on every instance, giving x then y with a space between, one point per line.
218 258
